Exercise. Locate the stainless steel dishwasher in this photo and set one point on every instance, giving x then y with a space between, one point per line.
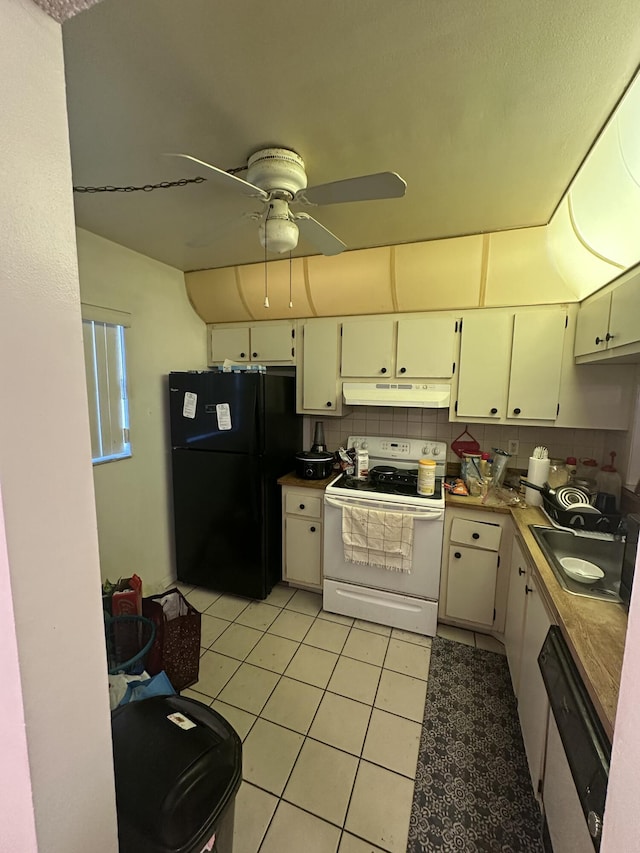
578 755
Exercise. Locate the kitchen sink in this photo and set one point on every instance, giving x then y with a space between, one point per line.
605 553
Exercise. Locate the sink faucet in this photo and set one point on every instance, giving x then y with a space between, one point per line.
620 534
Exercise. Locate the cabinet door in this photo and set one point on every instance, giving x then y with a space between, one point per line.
321 364
272 342
533 705
367 347
592 326
302 551
471 584
624 322
426 347
230 343
514 623
484 365
536 364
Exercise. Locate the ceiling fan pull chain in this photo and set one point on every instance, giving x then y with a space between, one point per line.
290 290
266 291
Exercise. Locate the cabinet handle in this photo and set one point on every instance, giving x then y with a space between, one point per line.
301 506
403 370
254 355
457 555
517 411
241 355
599 341
527 589
475 535
609 337
494 411
383 370
521 571
312 529
329 404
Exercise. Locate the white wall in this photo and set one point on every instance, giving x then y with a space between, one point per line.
133 495
51 560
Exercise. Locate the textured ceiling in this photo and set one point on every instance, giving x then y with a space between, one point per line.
61 10
485 109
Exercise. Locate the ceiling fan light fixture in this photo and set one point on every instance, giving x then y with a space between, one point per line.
278 232
279 235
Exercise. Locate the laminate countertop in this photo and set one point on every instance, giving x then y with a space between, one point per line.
291 479
595 631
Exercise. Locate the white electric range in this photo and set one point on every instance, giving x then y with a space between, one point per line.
407 600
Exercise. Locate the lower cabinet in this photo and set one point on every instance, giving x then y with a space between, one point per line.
302 519
514 622
526 627
533 705
473 584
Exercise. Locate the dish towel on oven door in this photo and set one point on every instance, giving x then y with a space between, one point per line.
380 539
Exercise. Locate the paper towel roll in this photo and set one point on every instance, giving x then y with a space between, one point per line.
538 473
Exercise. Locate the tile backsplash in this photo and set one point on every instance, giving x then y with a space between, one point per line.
435 424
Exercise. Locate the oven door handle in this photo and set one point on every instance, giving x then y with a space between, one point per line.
426 514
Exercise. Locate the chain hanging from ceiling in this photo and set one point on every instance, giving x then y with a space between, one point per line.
146 188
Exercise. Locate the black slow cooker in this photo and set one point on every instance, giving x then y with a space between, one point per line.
314 464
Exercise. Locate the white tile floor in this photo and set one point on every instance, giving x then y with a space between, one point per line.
329 709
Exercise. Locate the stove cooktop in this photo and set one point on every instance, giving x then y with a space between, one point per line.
389 481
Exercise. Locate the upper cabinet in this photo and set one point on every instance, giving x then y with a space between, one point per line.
367 348
318 382
426 346
609 325
510 364
422 346
262 343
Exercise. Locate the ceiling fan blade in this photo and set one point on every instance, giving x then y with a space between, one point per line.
209 236
223 177
365 188
318 235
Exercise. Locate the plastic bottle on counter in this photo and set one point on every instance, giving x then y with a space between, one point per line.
426 477
485 465
572 467
608 480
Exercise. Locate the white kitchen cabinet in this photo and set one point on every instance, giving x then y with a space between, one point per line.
318 377
533 704
593 325
302 520
473 586
608 324
593 396
510 364
426 346
263 343
514 621
484 365
367 347
230 342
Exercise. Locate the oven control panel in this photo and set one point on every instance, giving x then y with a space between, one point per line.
408 450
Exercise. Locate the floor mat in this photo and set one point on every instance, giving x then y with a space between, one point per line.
472 792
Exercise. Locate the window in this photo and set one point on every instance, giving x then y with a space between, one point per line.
105 364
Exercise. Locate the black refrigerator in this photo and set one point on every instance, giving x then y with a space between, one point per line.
232 436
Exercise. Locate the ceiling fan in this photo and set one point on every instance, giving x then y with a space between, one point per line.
276 178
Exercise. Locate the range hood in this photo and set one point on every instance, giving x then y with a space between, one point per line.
418 395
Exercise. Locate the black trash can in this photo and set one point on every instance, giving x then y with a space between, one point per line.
178 767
